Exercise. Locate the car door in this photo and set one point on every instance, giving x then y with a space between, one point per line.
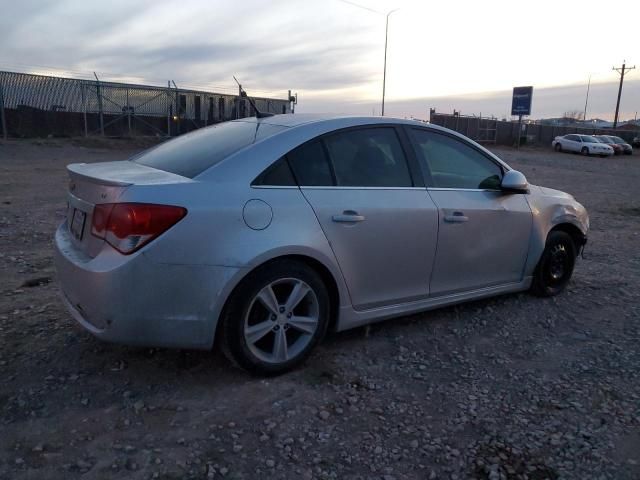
483 235
374 209
574 143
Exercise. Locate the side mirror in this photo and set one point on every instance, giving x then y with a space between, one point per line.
514 182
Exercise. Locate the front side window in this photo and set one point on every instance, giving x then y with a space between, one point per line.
368 157
454 164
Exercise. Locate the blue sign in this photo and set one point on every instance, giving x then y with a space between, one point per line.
521 102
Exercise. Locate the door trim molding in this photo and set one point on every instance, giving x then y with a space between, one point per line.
351 318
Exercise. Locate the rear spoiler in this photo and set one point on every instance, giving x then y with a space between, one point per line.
85 172
122 174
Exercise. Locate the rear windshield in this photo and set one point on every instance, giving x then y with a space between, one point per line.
191 154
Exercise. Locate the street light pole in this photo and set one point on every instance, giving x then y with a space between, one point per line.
586 101
384 73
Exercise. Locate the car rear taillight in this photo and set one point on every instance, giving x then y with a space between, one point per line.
129 226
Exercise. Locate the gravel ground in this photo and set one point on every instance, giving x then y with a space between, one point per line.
515 387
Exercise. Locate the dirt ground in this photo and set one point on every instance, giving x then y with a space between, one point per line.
512 387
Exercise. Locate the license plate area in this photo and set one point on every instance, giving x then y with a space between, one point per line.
78 219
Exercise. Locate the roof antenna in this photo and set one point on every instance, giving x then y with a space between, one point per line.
243 94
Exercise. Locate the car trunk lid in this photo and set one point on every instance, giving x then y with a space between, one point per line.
92 184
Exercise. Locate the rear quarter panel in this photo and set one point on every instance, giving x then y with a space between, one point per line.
214 231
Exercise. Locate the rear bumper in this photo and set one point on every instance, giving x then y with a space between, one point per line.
135 301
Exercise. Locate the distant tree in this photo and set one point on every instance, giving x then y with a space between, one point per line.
573 115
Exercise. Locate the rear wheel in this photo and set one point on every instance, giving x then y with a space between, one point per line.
275 317
584 151
558 147
555 267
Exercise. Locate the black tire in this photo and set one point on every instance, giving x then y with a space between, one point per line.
584 151
236 314
558 147
554 270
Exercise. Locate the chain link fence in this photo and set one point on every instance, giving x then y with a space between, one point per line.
494 131
42 106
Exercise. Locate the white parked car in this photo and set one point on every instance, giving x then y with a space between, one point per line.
584 144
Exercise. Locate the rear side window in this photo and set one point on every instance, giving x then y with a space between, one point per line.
191 154
310 166
368 157
277 175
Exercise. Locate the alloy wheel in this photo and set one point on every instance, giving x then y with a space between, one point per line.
281 320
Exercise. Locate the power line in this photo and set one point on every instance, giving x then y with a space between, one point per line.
621 71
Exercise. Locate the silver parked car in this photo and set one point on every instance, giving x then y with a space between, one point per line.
265 233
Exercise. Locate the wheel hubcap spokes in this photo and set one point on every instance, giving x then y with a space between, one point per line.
558 263
281 320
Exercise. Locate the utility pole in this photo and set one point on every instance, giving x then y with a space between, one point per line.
621 71
384 73
584 116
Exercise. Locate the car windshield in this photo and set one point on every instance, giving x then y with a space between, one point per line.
587 139
191 154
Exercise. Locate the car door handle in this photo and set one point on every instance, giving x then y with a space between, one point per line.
348 216
456 217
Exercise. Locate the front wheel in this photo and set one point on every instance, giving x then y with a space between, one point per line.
554 270
275 317
584 151
558 147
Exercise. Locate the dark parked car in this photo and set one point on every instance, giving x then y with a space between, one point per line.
617 149
626 148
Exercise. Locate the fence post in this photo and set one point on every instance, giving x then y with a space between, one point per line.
99 103
83 86
3 119
128 113
177 108
169 109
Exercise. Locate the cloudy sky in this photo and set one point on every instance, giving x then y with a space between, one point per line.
463 54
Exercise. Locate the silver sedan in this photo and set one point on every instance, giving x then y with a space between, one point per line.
264 233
